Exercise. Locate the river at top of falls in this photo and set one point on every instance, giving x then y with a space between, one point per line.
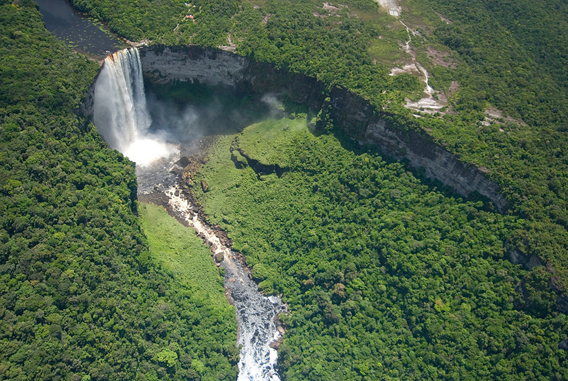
76 29
122 118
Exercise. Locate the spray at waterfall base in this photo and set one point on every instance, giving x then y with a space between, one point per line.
122 117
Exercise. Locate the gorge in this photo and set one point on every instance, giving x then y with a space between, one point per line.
122 117
156 134
389 251
239 76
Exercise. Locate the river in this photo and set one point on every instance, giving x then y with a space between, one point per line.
122 118
76 29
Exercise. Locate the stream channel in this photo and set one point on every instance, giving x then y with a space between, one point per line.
122 118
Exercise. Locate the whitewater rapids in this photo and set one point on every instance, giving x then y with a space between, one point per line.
122 118
256 313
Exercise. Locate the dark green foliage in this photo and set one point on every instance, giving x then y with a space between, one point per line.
506 54
508 57
79 297
164 21
385 277
136 20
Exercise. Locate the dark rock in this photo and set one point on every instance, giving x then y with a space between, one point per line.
533 262
517 258
177 170
556 285
562 304
183 162
522 289
219 257
550 268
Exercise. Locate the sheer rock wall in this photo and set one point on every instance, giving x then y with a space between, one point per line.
354 115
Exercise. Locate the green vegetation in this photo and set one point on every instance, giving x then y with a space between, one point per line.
176 249
179 251
272 141
385 277
500 65
143 19
506 54
80 296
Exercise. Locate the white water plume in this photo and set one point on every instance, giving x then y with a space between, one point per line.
123 119
120 111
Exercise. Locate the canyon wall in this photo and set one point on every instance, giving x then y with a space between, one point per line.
166 64
358 119
218 68
355 116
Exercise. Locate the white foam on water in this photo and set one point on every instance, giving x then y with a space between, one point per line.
147 150
120 111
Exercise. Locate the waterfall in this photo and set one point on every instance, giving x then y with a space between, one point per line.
120 111
122 118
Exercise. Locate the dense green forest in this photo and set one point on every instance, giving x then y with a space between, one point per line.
386 276
83 296
509 55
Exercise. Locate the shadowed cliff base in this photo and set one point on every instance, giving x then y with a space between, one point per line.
224 90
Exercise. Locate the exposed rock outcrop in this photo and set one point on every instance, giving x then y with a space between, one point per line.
164 64
244 77
204 186
359 120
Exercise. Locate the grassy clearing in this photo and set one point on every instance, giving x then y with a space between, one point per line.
179 251
271 141
387 51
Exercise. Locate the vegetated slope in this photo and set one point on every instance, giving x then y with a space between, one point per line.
385 277
177 249
503 55
80 297
501 64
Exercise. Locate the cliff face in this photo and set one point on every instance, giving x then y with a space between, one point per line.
241 76
358 119
165 64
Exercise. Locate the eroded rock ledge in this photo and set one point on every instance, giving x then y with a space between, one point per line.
356 117
241 76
